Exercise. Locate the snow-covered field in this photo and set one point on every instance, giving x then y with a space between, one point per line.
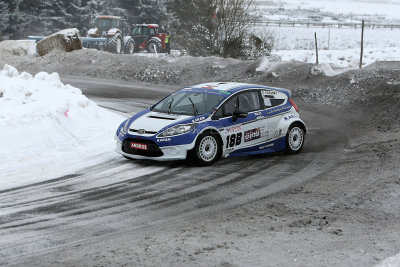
302 38
337 46
48 129
387 8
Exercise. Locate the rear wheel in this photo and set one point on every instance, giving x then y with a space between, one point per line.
294 139
207 150
153 46
114 44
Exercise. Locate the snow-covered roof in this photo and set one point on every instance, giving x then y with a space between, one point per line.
147 25
107 17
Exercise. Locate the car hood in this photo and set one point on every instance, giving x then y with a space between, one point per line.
155 121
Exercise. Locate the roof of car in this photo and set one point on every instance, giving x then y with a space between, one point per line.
233 87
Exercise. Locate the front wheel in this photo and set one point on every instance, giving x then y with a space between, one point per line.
207 150
294 139
129 47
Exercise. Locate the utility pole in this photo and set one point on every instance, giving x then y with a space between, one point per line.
362 43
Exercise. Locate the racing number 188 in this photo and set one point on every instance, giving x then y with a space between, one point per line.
233 140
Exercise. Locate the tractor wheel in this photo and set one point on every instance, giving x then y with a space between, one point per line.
153 46
114 44
129 47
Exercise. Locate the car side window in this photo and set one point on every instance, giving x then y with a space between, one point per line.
248 102
152 32
273 98
145 31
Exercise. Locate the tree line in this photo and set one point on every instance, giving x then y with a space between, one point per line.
19 18
200 27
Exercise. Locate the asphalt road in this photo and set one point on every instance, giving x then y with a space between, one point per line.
121 198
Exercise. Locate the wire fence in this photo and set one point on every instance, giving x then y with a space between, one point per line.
318 24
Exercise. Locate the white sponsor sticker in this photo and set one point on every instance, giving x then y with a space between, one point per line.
265 93
234 129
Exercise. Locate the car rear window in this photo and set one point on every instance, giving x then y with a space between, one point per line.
273 98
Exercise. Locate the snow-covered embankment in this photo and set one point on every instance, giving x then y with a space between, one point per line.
48 129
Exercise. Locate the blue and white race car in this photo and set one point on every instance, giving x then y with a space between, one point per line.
213 120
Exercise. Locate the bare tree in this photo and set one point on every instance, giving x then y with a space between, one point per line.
213 26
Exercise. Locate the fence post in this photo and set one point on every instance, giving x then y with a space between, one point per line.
362 43
329 37
316 46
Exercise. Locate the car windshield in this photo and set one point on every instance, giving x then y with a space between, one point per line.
136 30
103 24
188 103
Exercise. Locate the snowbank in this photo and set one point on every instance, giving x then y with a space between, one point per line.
393 261
325 69
47 128
19 47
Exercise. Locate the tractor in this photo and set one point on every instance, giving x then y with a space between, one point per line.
110 34
147 37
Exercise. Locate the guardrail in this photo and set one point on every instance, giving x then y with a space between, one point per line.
318 24
85 40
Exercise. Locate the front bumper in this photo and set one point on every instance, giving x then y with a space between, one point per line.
168 152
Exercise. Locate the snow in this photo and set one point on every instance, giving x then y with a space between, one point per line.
19 47
341 58
387 8
49 129
393 261
325 69
339 47
293 38
67 32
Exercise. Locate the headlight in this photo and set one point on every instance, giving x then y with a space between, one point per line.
126 126
178 129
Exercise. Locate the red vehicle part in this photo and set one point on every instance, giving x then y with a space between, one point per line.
147 37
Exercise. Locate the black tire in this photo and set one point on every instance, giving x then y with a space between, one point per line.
295 138
129 47
153 46
208 149
114 44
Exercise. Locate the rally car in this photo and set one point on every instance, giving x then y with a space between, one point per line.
213 120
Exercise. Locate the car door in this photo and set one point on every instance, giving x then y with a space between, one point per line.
273 102
242 134
146 34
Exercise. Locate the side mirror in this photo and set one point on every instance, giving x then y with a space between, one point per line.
239 114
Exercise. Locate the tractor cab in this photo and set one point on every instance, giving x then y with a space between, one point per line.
147 37
103 25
